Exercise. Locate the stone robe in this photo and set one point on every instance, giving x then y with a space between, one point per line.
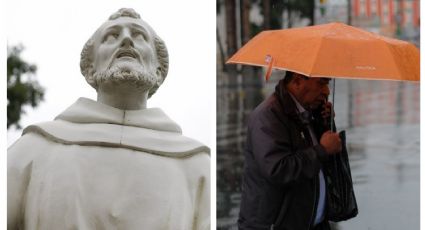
98 167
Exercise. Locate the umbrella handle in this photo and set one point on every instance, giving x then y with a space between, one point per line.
333 105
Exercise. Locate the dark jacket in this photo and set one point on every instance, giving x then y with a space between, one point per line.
280 186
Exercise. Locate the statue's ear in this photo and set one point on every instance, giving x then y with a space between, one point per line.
159 74
91 69
90 76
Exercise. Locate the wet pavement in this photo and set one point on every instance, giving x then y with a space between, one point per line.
386 175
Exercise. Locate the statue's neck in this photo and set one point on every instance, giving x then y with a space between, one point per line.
125 99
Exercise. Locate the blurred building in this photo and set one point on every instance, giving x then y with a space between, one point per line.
392 18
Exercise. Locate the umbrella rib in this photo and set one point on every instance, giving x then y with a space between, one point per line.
392 57
317 54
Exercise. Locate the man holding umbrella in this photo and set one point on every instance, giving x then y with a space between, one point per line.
288 143
297 175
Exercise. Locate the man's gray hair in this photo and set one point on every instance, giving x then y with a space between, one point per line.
86 60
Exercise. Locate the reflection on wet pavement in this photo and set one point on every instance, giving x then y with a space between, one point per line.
384 161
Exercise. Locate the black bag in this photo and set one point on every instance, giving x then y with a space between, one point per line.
341 203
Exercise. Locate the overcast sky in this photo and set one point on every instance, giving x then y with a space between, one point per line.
54 32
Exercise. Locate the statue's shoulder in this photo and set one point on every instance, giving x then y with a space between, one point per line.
28 147
24 142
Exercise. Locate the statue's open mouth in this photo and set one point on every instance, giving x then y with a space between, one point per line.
126 53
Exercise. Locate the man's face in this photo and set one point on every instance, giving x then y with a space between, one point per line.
125 44
313 92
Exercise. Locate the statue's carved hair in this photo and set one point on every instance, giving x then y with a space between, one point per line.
86 61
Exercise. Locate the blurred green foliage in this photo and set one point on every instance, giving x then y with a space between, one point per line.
22 87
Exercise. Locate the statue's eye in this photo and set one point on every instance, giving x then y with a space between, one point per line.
110 37
139 35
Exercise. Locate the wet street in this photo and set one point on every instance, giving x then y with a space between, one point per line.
386 174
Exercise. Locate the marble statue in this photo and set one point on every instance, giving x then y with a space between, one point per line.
111 163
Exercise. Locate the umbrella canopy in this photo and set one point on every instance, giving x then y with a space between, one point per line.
333 50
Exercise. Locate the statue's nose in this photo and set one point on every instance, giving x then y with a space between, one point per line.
126 40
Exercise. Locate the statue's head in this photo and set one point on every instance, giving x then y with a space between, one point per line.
125 50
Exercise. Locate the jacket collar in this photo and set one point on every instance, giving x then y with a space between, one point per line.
285 100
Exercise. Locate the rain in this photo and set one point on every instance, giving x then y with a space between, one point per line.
381 118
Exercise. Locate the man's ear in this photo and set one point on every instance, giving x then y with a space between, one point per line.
297 80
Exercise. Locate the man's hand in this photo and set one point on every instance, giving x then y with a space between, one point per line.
331 142
327 110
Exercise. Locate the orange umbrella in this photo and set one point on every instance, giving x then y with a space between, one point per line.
333 50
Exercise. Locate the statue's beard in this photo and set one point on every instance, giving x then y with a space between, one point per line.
126 74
